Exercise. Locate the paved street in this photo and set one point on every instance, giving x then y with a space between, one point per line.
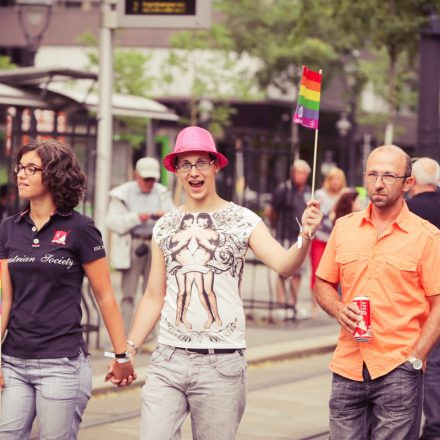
286 400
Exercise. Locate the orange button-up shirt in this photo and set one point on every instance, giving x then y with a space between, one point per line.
397 272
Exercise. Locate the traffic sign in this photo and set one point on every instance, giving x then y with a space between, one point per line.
174 14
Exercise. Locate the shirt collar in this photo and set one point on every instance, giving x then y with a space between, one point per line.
23 214
402 220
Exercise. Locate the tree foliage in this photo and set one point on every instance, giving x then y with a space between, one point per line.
334 36
130 77
5 63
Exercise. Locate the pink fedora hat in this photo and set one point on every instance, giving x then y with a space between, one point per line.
193 139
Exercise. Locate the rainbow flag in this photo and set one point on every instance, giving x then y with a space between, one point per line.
309 97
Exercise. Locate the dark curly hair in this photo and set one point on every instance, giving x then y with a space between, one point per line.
61 173
344 205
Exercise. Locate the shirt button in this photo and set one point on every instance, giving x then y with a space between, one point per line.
36 241
34 228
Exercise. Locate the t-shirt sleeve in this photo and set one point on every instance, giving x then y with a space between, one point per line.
430 274
157 228
253 220
328 268
90 245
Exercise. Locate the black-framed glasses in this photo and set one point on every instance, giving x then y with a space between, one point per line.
387 178
201 165
29 170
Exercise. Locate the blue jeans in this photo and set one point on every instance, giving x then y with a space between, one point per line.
54 390
386 408
431 402
211 387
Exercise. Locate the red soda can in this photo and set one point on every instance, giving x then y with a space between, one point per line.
362 333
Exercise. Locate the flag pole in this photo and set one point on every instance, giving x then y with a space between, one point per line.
0 330
315 153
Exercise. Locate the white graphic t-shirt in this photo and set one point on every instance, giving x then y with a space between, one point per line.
204 255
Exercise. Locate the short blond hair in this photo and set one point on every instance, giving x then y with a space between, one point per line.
334 172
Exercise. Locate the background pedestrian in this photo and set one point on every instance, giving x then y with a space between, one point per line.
289 201
334 185
425 202
133 211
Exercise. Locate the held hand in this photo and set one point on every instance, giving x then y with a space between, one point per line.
120 374
349 316
311 218
143 216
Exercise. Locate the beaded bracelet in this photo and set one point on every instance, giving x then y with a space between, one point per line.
133 346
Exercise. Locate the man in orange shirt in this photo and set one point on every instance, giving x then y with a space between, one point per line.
390 255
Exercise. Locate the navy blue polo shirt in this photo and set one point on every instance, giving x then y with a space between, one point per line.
46 271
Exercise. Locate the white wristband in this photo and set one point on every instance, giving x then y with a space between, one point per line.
119 360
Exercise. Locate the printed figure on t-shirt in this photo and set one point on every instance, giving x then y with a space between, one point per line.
193 247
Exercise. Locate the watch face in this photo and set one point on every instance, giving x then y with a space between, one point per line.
417 364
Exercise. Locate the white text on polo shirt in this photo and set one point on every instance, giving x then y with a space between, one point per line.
24 259
48 258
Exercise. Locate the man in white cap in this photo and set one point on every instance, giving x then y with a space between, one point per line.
134 208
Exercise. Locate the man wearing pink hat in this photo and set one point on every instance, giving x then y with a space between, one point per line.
198 254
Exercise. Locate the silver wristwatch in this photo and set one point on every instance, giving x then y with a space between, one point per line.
416 363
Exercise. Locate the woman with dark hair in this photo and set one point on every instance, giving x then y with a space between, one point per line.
45 251
347 203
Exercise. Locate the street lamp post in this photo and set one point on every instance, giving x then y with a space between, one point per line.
428 130
34 18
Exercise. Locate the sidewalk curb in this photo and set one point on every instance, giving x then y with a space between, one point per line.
255 355
291 349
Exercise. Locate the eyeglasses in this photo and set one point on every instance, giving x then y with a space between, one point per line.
387 178
29 170
201 165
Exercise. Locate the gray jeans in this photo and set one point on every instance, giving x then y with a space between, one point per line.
386 408
210 387
56 391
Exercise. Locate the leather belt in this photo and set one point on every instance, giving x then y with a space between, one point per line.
142 237
206 350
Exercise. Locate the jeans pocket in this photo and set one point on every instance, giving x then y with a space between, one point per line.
161 353
401 387
69 364
339 391
230 365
